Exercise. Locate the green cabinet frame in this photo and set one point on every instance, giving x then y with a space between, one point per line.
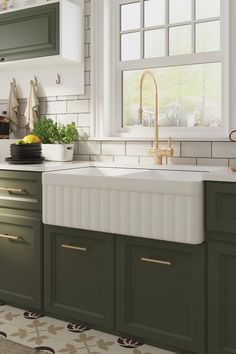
160 293
79 275
221 298
30 33
21 266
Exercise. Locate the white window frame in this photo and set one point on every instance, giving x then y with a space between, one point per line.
106 67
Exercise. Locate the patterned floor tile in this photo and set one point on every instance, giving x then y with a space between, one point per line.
53 336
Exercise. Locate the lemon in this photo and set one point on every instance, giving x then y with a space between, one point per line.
20 142
31 139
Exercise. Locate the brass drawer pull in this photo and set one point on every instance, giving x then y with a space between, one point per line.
12 190
156 261
83 249
14 238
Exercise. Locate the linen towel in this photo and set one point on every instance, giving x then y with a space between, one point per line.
13 109
32 108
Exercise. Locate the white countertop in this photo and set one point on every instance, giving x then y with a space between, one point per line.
44 167
221 175
205 173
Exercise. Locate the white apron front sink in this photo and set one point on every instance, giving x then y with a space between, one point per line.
151 203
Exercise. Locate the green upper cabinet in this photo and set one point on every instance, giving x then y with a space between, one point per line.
160 293
30 33
43 32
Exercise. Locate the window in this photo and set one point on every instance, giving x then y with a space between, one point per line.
185 45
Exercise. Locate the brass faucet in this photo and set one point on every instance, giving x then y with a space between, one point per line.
157 152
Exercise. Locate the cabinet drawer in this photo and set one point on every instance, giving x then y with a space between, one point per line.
160 293
220 206
29 33
20 190
79 275
20 261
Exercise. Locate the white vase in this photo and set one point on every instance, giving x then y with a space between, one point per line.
58 152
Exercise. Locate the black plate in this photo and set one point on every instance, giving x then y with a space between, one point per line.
24 162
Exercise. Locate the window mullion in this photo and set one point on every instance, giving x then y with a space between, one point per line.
167 28
142 29
193 26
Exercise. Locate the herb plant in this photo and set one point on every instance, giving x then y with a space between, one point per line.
50 132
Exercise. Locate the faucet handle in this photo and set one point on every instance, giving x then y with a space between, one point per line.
170 150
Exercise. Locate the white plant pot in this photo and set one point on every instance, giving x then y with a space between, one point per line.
58 152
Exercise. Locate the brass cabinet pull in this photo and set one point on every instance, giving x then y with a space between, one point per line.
12 190
156 261
14 238
83 249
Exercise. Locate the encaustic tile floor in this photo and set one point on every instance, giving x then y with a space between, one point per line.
52 336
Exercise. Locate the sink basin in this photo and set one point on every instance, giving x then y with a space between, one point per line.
163 204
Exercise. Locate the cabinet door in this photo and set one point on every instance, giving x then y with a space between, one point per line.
20 260
79 275
29 33
221 298
160 293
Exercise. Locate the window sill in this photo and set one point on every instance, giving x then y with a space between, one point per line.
141 139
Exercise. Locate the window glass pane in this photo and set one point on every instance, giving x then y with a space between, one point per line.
189 96
180 40
154 43
208 36
180 10
130 46
154 13
130 16
207 8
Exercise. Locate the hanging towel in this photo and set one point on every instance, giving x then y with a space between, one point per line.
13 109
32 108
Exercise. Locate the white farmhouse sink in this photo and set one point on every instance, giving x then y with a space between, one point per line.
152 203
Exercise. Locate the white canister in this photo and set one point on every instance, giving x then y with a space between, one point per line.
58 152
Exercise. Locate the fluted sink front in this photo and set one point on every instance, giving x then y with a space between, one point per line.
151 203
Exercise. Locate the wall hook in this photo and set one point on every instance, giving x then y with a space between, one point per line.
35 80
58 80
14 82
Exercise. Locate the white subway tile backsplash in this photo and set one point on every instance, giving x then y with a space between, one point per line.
81 157
101 158
131 160
84 119
137 148
113 148
54 107
67 98
196 149
146 160
78 106
212 162
89 148
67 118
224 149
182 161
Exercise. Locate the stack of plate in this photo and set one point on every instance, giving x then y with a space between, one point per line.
25 154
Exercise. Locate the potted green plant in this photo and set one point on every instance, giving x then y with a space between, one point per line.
57 139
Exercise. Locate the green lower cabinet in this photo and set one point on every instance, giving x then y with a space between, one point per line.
79 275
160 293
221 298
20 260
